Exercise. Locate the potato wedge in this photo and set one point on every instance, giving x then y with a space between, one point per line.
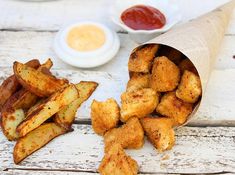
130 135
104 115
37 82
141 58
116 162
11 85
47 109
35 140
66 115
159 131
10 120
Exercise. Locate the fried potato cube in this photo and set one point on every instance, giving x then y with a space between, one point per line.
186 64
171 53
189 89
141 58
172 107
138 81
129 135
138 103
104 115
165 75
159 132
116 162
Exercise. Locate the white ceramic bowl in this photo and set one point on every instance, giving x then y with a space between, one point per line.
171 12
87 59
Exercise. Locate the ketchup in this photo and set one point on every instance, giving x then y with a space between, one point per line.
142 17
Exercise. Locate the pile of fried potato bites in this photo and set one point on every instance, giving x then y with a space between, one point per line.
163 89
36 106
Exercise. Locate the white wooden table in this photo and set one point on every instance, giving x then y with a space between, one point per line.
205 145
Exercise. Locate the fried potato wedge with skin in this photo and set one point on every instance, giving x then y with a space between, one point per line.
189 89
165 75
47 109
141 58
35 140
11 85
138 103
186 64
37 82
116 162
10 120
172 54
130 135
104 115
174 108
138 81
65 117
160 132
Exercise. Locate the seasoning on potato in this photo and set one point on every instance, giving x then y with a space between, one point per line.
165 75
130 135
141 59
115 161
174 108
104 115
138 103
159 132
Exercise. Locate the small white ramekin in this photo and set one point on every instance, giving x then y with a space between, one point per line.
86 59
171 12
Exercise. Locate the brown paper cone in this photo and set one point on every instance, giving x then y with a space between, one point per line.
200 40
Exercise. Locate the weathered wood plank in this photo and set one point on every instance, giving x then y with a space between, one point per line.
217 107
197 150
32 16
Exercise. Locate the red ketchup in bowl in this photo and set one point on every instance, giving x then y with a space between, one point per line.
142 17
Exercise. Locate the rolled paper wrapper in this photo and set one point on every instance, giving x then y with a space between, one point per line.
199 40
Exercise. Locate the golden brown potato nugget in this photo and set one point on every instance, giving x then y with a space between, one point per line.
65 117
11 85
9 121
186 64
47 109
141 58
116 162
138 103
165 75
104 115
138 81
159 132
35 140
172 54
129 135
37 82
172 107
189 89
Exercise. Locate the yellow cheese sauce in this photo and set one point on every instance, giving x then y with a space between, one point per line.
86 37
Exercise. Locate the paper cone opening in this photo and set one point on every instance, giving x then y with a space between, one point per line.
199 40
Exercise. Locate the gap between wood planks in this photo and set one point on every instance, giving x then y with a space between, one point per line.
91 172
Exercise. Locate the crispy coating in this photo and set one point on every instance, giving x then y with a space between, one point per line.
172 107
116 162
104 115
141 58
189 89
165 75
138 81
172 54
159 132
138 103
186 64
129 135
